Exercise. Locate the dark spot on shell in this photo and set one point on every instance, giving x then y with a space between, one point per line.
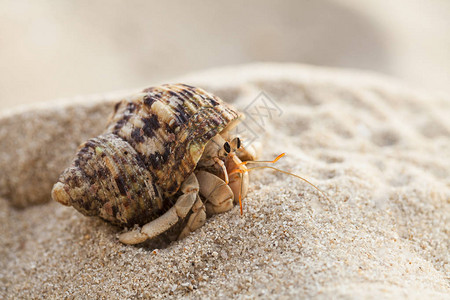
172 93
103 173
140 161
121 123
150 99
189 95
116 107
157 159
121 185
150 125
166 153
86 205
148 90
77 162
213 102
89 144
182 116
85 154
155 189
187 85
154 159
171 130
131 107
115 210
136 135
83 151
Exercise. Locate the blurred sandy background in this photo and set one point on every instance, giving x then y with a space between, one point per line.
53 49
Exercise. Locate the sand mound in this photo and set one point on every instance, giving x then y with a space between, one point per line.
378 149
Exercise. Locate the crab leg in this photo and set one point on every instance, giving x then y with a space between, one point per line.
185 203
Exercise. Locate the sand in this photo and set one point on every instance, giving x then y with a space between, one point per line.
378 148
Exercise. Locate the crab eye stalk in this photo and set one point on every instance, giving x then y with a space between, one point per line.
238 143
227 147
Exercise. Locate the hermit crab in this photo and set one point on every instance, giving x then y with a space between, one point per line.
166 160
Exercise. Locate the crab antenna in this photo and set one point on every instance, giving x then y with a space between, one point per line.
240 171
263 161
292 174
